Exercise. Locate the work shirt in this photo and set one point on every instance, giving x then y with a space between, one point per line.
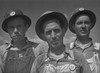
71 62
90 52
15 60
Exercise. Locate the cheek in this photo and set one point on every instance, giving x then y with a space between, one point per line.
46 37
88 27
22 31
10 32
76 29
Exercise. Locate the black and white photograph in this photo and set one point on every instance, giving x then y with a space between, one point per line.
49 36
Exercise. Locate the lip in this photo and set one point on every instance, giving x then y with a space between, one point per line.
14 37
55 42
84 31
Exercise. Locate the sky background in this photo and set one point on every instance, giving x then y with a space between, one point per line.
34 8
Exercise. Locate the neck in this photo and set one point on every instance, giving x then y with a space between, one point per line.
57 50
19 44
83 40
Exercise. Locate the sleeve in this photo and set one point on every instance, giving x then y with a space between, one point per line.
2 51
40 49
83 63
34 68
36 64
97 56
1 65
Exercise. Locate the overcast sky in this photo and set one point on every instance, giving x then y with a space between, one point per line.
34 8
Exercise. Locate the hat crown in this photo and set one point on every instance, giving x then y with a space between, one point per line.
47 12
81 9
13 12
77 10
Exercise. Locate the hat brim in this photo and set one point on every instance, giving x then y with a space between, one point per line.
85 12
4 24
49 16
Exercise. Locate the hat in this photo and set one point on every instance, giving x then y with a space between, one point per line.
13 13
78 12
48 16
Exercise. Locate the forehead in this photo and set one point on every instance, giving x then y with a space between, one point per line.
83 17
51 24
16 21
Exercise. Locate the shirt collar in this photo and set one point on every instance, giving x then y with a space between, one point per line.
83 46
66 54
11 47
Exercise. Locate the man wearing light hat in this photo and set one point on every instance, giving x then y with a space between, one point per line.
18 55
51 27
81 23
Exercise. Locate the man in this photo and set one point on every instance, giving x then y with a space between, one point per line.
81 23
18 55
51 27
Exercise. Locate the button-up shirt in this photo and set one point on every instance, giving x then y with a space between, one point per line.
15 60
71 62
90 52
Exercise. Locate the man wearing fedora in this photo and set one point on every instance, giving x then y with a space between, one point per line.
51 27
81 23
18 55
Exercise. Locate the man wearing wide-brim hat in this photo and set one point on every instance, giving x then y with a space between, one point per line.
51 27
81 23
18 55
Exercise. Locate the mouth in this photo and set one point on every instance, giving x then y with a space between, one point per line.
83 31
55 42
14 37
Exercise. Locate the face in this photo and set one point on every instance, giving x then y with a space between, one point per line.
17 29
53 33
82 26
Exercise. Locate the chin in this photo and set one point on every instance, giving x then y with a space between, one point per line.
83 34
16 39
55 46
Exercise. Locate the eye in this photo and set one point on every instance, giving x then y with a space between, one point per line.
57 30
78 23
10 27
48 32
87 22
19 26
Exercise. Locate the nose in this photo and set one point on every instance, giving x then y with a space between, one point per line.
53 34
15 30
83 25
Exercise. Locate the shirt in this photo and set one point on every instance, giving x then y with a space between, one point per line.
72 62
90 52
15 60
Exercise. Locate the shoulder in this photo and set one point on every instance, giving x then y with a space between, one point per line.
97 46
41 48
4 47
33 44
37 63
39 59
78 54
70 44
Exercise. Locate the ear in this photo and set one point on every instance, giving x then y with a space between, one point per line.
91 26
73 26
63 31
43 36
26 27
